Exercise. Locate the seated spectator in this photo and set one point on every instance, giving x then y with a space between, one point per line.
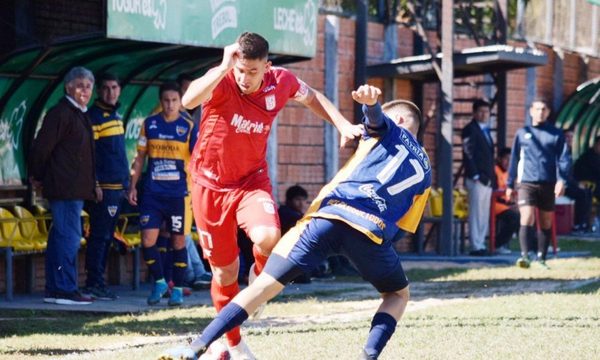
507 217
587 167
580 194
290 213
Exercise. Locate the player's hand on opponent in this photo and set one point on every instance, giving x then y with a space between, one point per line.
231 54
366 94
350 132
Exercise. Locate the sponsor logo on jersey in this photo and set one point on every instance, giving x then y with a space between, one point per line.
112 210
369 190
268 88
270 102
153 125
165 137
302 92
181 130
527 136
362 214
246 126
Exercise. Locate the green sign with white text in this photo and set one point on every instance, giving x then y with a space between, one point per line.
290 26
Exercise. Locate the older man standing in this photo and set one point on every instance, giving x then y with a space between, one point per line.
62 163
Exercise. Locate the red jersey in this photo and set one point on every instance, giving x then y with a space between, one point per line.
232 145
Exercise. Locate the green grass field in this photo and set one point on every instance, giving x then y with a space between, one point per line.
455 313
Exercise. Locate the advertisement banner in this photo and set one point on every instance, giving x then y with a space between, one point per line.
290 26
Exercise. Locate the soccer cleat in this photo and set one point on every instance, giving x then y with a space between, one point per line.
216 351
523 262
240 352
259 310
179 353
158 290
176 298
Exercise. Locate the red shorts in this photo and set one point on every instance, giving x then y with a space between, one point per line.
218 215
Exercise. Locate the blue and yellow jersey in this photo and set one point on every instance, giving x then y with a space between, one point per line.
112 168
168 146
383 187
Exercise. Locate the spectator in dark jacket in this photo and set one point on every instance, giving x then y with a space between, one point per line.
478 160
62 163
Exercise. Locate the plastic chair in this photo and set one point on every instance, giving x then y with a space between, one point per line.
11 235
28 226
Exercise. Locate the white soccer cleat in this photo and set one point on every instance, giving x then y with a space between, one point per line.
259 310
179 353
216 351
241 352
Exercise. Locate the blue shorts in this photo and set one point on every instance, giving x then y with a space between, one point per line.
311 241
154 210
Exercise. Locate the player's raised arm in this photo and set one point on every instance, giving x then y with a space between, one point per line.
367 95
322 107
200 90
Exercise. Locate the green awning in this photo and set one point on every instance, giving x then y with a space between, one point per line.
31 81
581 113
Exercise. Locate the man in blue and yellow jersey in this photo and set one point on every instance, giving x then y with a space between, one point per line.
112 172
383 187
167 140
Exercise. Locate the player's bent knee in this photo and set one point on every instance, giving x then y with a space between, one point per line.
265 238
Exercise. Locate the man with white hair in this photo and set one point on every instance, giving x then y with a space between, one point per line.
62 164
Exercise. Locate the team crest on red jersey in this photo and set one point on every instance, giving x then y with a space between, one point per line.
270 102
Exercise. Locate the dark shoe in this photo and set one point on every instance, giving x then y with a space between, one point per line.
523 262
481 252
99 293
202 282
74 298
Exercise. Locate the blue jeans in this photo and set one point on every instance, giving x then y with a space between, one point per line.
103 220
195 266
63 243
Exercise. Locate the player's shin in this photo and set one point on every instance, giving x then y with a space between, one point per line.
221 296
152 259
230 317
383 326
179 266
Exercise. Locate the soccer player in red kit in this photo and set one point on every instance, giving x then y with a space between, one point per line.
240 99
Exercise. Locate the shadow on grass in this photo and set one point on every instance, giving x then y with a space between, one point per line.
34 322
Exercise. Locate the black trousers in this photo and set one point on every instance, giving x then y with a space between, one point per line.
507 223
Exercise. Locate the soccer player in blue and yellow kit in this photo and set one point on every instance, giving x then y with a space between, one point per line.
383 187
167 140
112 172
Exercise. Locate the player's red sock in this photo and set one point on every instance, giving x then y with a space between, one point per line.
259 260
221 296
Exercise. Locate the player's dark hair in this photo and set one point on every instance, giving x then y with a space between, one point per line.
503 152
295 191
184 77
480 103
253 46
107 76
542 100
169 86
404 107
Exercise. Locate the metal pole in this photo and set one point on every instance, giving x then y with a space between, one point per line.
360 50
502 11
331 137
445 162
